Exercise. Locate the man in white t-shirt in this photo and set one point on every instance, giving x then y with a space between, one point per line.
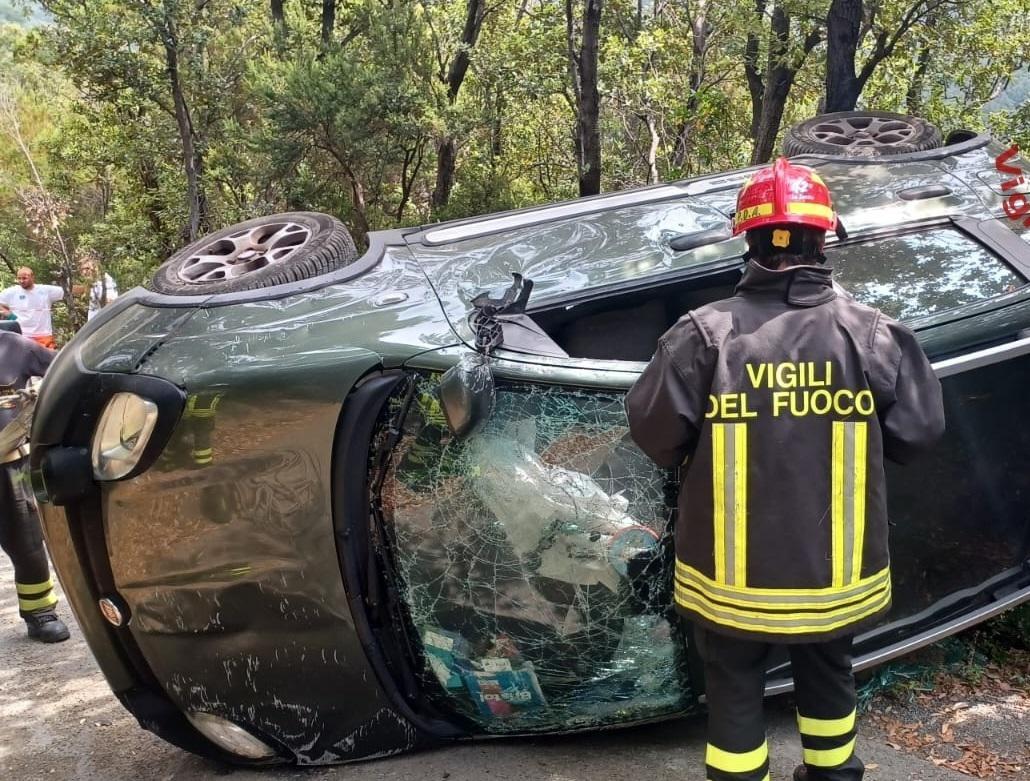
31 303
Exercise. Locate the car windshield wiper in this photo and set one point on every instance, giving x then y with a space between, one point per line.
689 241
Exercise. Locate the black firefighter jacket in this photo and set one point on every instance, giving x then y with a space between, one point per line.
784 401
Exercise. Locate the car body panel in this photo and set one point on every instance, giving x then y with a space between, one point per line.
241 553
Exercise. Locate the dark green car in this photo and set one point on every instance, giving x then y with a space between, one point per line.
315 507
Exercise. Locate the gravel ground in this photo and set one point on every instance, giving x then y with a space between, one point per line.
59 720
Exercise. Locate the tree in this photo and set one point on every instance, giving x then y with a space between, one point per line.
452 76
43 212
848 22
582 63
786 51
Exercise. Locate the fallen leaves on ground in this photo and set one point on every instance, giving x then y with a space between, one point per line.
937 733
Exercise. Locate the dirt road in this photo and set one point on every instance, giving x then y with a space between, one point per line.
59 720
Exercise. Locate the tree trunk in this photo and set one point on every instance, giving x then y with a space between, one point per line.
780 71
652 149
447 150
843 23
278 17
446 162
776 90
914 97
192 157
699 33
588 130
754 79
360 224
151 185
328 21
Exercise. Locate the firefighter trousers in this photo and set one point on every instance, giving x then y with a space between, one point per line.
22 539
735 686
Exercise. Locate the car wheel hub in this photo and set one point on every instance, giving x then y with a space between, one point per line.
864 131
245 252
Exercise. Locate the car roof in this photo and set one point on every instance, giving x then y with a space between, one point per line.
603 240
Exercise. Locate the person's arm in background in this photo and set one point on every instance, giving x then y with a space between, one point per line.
666 405
911 408
54 293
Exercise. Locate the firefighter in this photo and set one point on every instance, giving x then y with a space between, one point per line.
20 533
779 404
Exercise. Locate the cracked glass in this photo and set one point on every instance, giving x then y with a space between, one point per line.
529 556
918 274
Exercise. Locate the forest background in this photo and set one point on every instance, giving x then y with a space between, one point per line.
130 127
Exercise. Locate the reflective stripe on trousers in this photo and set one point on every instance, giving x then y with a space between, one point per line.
35 596
724 765
827 743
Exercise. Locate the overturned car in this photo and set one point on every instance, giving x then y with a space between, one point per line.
316 507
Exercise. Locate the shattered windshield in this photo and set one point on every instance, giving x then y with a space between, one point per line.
528 555
917 274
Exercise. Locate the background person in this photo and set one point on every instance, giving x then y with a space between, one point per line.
102 291
785 399
20 535
31 303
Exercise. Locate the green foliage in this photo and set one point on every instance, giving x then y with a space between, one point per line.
112 93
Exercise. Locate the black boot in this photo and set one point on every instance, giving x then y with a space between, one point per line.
45 626
801 773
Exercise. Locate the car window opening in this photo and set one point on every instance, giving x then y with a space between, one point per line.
626 327
907 276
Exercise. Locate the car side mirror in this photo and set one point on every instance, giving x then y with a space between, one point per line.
467 394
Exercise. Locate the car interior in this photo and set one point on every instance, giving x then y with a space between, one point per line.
626 326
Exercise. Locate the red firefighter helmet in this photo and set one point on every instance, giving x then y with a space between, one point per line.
784 193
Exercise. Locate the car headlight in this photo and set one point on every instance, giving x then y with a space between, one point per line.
122 435
230 737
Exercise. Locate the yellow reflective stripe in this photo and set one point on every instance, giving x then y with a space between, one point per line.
826 728
719 498
830 757
858 513
788 624
34 588
765 612
837 506
28 605
786 599
753 593
733 762
740 504
817 209
758 210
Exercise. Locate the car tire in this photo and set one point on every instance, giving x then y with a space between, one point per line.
265 252
861 134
